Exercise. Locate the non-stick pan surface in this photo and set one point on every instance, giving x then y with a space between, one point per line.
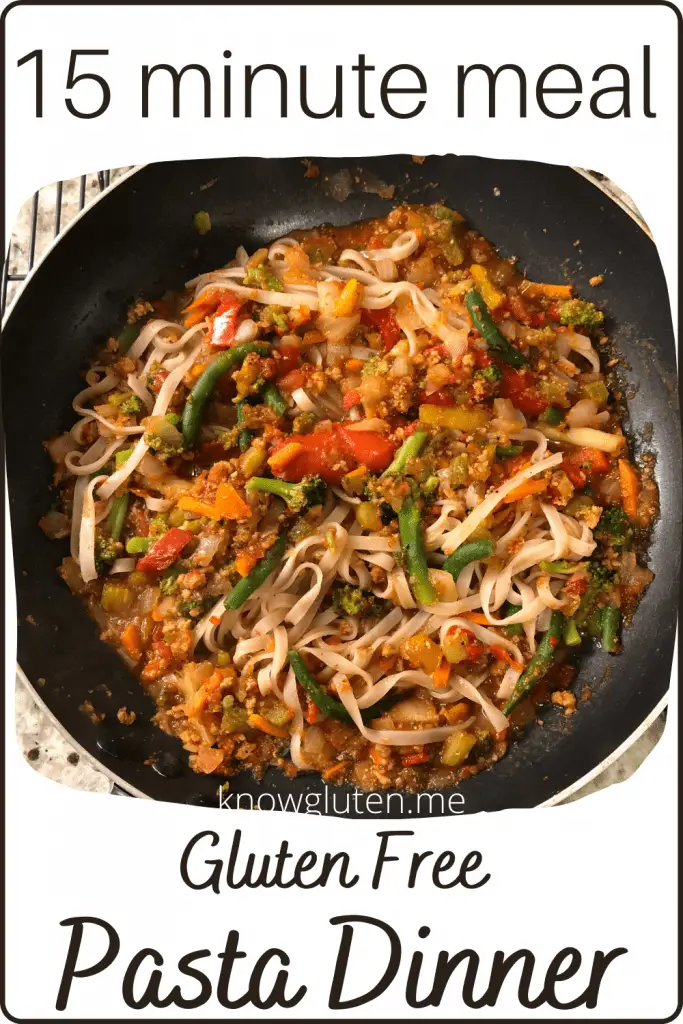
139 239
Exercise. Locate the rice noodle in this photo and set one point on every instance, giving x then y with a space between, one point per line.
462 531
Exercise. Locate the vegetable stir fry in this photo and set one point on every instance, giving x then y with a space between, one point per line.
352 504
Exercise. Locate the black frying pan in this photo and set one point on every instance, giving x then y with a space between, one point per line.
140 239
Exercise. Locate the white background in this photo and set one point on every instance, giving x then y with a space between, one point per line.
596 874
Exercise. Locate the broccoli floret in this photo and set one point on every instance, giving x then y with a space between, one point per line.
309 492
158 525
274 316
600 579
601 576
107 551
132 406
579 313
375 367
260 277
168 584
350 600
614 527
492 374
162 448
194 607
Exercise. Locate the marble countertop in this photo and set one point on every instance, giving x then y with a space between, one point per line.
43 745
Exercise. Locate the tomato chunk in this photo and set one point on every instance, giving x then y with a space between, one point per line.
383 320
584 463
519 387
287 358
164 552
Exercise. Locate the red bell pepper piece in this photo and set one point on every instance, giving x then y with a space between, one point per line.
520 388
164 552
321 452
384 321
224 323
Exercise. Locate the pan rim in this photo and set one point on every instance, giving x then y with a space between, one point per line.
132 790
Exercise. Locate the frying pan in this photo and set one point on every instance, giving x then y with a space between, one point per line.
139 239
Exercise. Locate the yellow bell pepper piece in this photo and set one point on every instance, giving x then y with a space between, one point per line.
198 508
489 293
228 505
455 417
350 298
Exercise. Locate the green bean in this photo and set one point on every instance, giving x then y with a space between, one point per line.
572 637
330 707
410 449
274 399
412 542
117 514
466 553
516 629
539 664
593 623
482 321
245 435
611 620
129 333
258 575
506 451
198 398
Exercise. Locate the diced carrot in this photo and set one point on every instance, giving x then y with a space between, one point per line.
214 620
284 456
196 371
628 478
312 713
442 674
334 770
263 725
503 655
132 641
412 759
350 399
524 490
477 617
230 503
245 563
353 365
551 291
